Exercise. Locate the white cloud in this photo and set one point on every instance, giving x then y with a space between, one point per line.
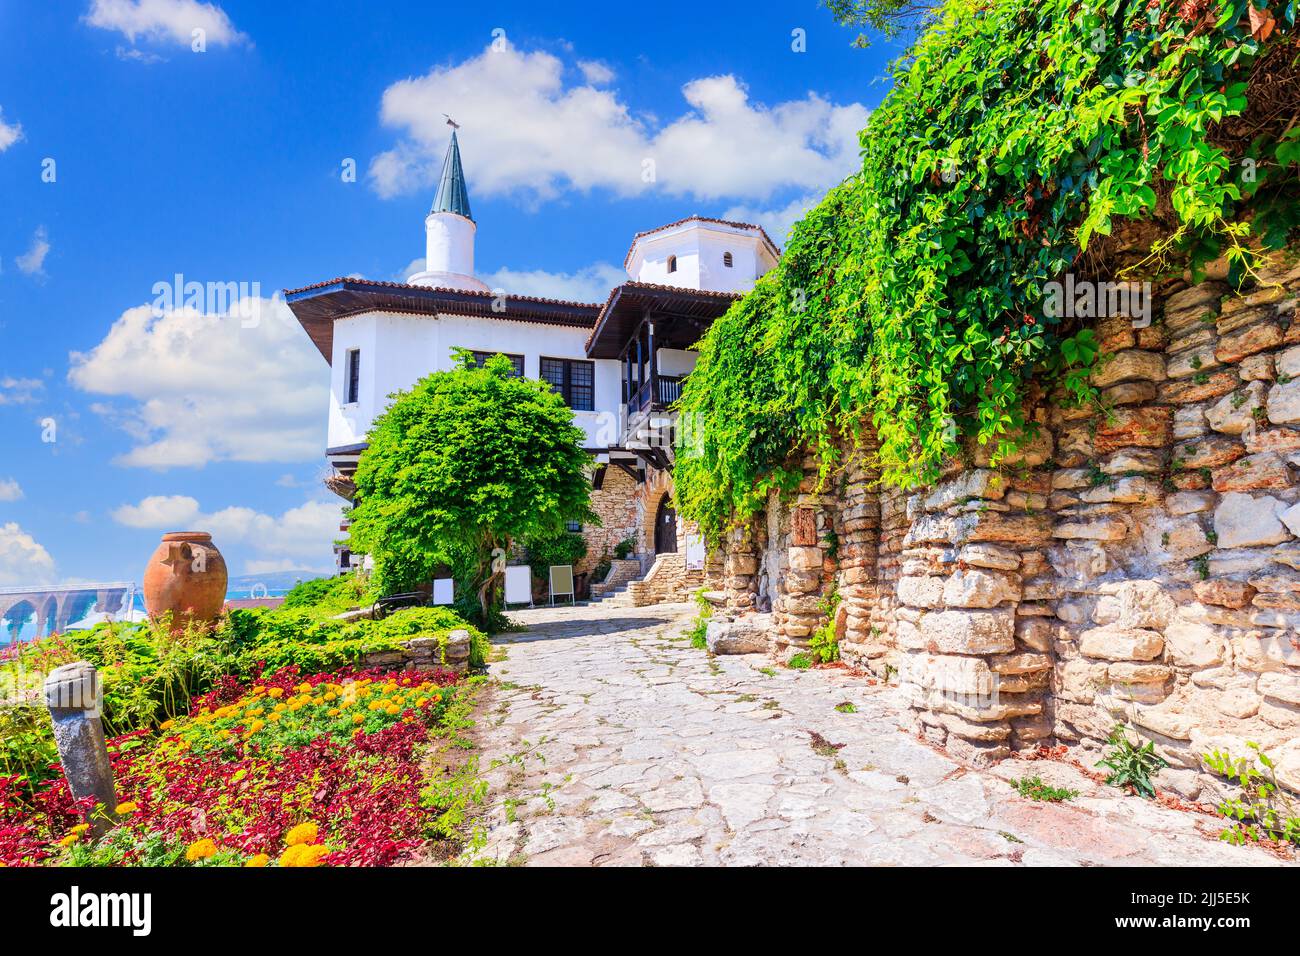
19 391
23 560
595 72
589 284
776 221
164 21
172 512
32 262
10 490
526 130
201 388
10 133
300 537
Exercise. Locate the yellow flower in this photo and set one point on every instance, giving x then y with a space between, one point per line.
260 860
333 712
276 692
167 725
358 719
272 718
393 710
302 833
281 708
80 828
331 695
70 839
201 850
304 688
127 807
258 690
303 855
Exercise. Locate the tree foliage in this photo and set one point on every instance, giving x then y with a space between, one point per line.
460 467
1011 145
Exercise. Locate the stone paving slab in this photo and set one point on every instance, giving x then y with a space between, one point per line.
608 740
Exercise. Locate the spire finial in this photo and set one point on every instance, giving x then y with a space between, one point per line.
452 195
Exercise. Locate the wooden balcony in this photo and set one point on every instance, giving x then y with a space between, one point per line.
655 394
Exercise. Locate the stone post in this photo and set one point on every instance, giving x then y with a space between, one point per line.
72 695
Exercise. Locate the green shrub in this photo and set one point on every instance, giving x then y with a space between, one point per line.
824 642
1033 788
700 626
799 662
1262 809
328 596
1131 764
567 547
624 548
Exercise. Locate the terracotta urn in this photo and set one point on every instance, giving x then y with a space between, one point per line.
187 576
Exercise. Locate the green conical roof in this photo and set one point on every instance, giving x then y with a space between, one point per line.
452 194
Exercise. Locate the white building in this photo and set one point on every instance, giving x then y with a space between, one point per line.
619 364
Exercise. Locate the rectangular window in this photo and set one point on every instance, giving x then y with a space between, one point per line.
354 376
574 380
516 360
573 526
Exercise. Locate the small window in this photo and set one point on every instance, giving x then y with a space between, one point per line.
672 263
572 379
575 526
353 392
516 360
726 259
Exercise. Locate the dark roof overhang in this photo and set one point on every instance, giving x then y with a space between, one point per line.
691 312
317 306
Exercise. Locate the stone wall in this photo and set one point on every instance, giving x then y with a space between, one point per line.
426 653
617 502
1139 564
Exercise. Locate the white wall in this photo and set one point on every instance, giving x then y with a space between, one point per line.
676 361
399 350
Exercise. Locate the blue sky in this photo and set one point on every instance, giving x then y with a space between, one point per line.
127 157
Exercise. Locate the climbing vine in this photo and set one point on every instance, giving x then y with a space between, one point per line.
1016 139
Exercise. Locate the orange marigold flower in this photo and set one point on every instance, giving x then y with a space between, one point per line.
303 855
201 850
260 860
302 833
128 806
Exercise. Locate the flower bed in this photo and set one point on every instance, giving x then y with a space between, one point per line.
290 771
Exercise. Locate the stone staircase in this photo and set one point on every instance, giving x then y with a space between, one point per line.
613 591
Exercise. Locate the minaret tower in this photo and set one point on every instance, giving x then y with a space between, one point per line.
449 231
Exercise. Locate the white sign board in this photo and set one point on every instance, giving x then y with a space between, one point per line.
695 551
519 585
444 591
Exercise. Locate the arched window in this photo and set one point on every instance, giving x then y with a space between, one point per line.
726 259
672 263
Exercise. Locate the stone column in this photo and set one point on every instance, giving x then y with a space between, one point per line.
72 694
810 541
866 639
969 596
740 569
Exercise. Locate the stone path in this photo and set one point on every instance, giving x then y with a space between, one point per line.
608 740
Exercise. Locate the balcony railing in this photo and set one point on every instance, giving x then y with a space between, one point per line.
665 389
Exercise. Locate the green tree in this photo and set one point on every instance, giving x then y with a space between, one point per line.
890 18
459 468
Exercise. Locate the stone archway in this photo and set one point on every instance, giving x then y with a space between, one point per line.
656 491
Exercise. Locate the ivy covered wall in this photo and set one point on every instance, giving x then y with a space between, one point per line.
1018 142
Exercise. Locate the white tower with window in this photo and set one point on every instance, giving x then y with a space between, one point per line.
711 255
